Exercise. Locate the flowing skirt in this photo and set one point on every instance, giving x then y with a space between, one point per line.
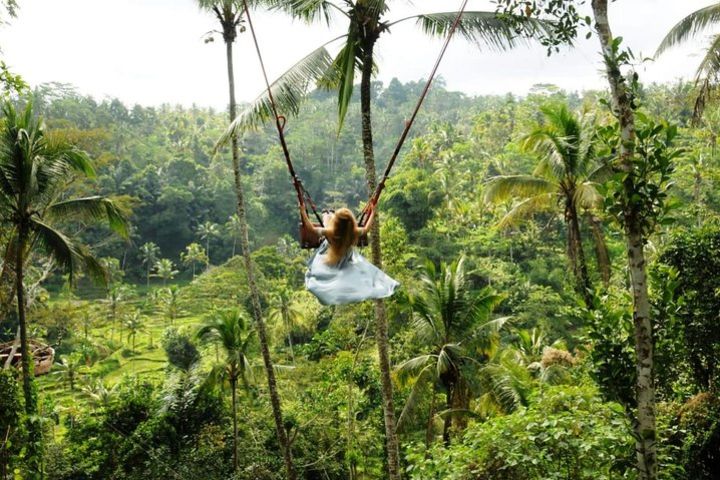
353 280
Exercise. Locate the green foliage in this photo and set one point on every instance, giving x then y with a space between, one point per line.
180 350
10 413
692 305
650 178
612 353
434 209
566 432
563 16
412 197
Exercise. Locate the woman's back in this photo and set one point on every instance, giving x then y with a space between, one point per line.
342 234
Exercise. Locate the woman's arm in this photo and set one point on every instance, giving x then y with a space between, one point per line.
368 224
306 221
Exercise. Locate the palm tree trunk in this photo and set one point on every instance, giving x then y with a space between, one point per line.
254 293
34 433
381 333
447 421
30 407
645 428
429 426
233 386
292 353
207 246
601 250
577 255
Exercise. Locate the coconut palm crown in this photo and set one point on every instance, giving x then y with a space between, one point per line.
566 176
706 75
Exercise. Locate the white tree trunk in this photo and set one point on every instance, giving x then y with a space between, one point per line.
645 388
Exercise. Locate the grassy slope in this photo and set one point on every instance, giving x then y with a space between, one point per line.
218 288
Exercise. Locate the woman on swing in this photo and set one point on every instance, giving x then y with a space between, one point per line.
337 273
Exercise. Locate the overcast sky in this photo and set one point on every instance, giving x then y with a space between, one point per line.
152 51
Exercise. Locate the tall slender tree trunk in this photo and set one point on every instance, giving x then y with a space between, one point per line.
30 406
645 424
429 434
577 255
207 242
447 421
381 326
288 325
233 386
601 250
254 293
34 434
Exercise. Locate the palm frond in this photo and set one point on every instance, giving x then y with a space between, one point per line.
528 207
501 188
65 253
480 28
346 63
690 26
448 359
709 67
310 11
90 209
492 327
423 379
411 368
601 173
587 196
289 90
508 383
59 152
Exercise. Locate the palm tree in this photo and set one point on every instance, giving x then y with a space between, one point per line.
169 299
194 254
234 334
206 231
287 313
100 395
117 295
229 14
691 26
565 177
365 25
67 367
150 254
454 323
36 166
134 324
165 269
233 228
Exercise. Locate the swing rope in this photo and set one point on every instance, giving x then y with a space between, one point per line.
280 120
375 197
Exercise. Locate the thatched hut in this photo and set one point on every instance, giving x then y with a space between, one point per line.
42 354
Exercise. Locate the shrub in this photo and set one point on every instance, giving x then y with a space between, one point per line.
566 432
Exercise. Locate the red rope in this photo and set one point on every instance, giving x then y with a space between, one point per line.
408 125
301 192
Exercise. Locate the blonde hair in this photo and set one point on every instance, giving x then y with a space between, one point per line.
342 234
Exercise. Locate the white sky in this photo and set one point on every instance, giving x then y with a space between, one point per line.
151 51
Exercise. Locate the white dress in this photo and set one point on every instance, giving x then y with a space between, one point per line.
353 279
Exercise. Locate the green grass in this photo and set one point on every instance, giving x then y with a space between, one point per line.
221 287
147 361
